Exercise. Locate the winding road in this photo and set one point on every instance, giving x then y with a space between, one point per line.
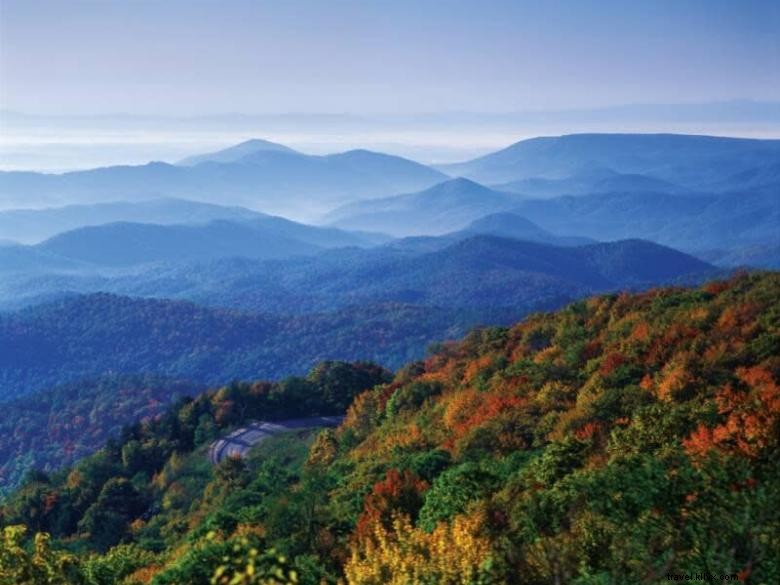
239 442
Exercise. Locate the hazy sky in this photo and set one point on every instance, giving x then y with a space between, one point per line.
396 56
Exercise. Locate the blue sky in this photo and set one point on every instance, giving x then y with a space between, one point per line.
199 57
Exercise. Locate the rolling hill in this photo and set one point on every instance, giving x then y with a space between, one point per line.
382 304
696 224
101 334
763 255
589 181
463 270
443 208
502 224
58 426
30 226
125 244
512 225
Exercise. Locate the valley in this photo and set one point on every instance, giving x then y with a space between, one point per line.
481 450
389 293
534 313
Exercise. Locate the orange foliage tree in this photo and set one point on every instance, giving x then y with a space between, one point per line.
752 417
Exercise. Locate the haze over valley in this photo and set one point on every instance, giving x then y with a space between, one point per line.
401 293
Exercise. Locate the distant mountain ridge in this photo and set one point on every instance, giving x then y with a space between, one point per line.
691 223
277 181
121 244
126 244
463 269
380 304
503 224
513 225
237 153
443 208
689 161
30 226
724 225
589 181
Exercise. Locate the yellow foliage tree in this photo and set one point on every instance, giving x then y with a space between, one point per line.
453 554
324 449
42 566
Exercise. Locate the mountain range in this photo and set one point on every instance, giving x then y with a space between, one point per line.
31 226
277 266
157 281
559 448
272 180
237 153
385 304
117 244
718 198
443 208
696 224
588 181
173 247
723 226
360 189
691 162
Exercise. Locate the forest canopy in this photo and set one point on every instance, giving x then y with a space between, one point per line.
621 439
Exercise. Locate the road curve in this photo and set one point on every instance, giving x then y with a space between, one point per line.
239 442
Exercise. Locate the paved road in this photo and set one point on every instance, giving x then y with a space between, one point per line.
239 442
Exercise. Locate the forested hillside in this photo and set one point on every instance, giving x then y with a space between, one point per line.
490 267
56 427
100 334
382 305
619 440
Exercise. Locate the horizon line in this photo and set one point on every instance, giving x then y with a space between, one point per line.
394 114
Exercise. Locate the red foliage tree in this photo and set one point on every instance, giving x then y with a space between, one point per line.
489 407
612 362
398 492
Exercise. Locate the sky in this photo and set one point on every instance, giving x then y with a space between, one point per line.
195 57
389 58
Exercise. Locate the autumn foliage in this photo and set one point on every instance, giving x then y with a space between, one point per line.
750 417
399 554
619 440
398 493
